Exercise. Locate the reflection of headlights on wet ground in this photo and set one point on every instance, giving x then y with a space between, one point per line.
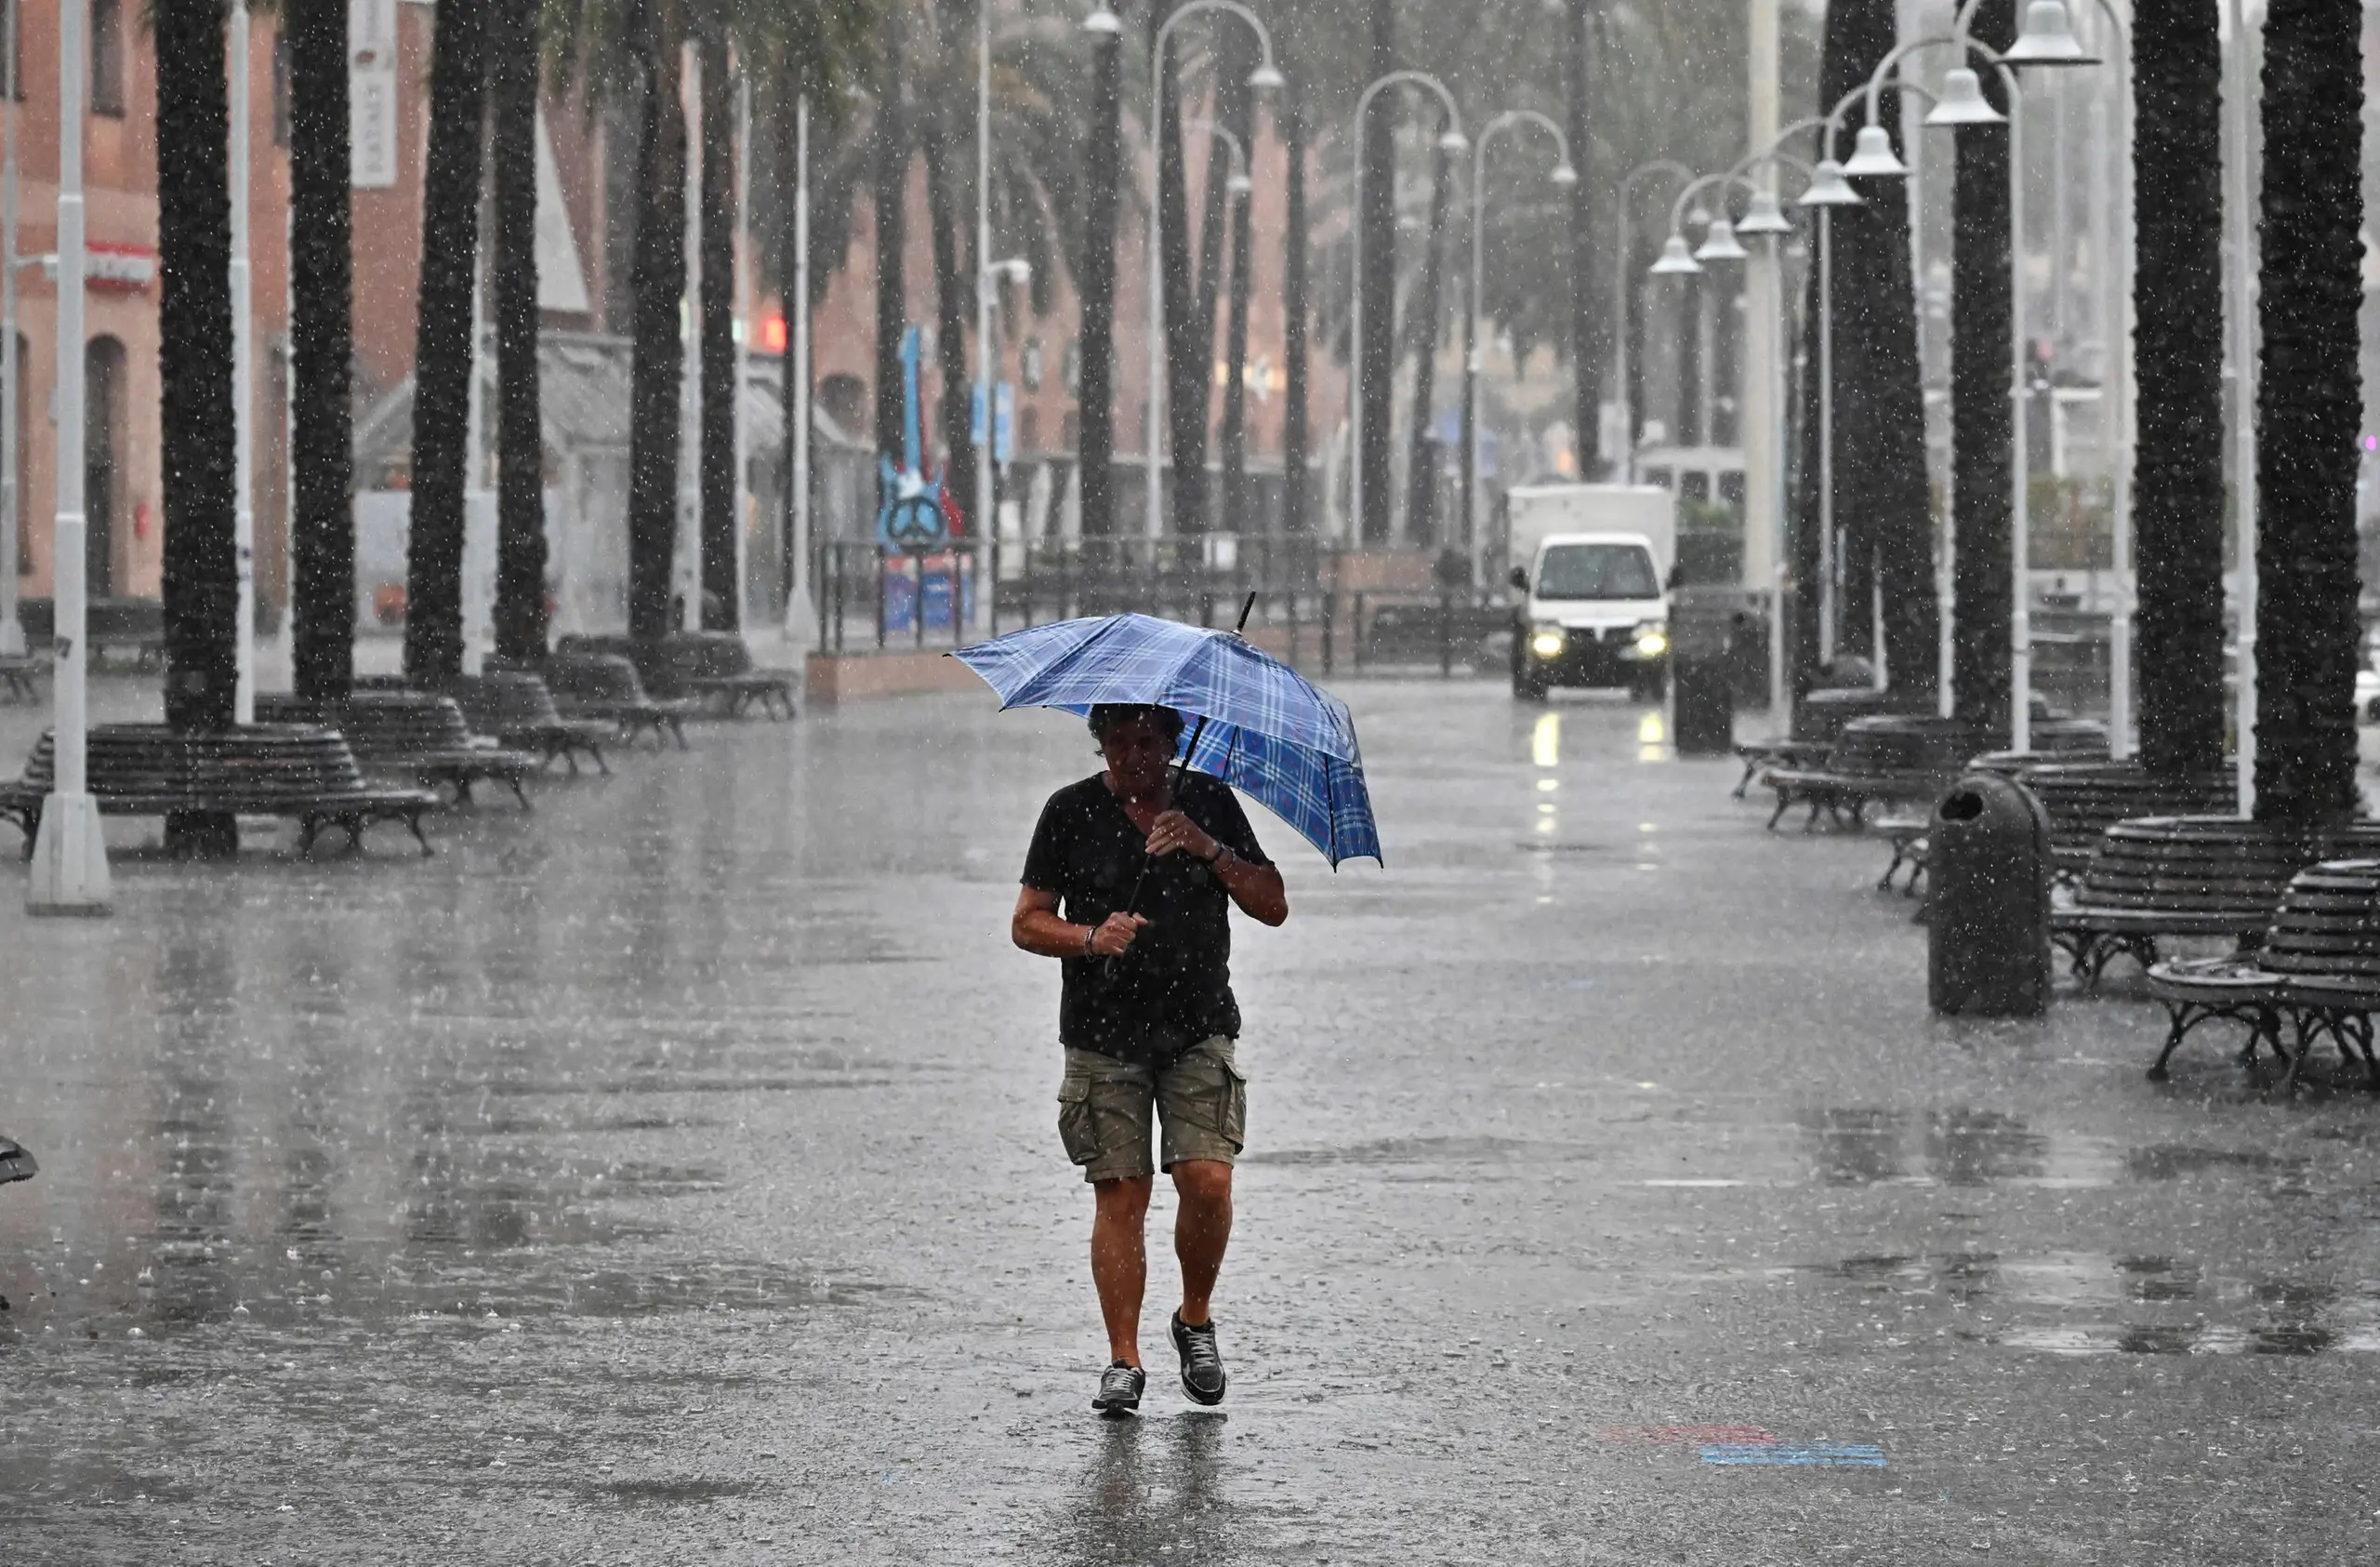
1547 643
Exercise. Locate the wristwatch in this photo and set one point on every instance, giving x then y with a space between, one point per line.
1223 852
1089 934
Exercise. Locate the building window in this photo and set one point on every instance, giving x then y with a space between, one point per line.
22 435
281 88
107 57
1029 365
16 50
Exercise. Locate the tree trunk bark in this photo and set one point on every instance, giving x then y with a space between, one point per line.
321 302
442 378
2309 407
1589 344
1095 369
657 284
1235 105
952 298
194 324
1422 487
2178 463
889 191
1982 427
520 435
722 595
1374 361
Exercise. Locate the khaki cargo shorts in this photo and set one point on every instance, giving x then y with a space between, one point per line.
1104 1107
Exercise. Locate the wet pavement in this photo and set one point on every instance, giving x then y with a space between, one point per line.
671 1174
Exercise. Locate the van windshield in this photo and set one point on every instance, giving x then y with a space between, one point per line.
1596 571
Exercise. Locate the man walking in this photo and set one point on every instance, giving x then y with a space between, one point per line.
1129 883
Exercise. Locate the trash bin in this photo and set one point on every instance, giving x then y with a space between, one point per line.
1702 708
1988 870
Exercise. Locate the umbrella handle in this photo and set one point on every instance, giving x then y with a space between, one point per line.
1182 765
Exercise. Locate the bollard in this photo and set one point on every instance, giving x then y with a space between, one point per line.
1988 865
1702 708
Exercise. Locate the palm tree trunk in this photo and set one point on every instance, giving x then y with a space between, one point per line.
1235 105
1422 487
2309 406
889 190
2178 463
321 300
1296 317
657 284
520 436
194 325
1590 345
1374 355
1193 364
951 299
1095 395
721 594
450 227
1982 430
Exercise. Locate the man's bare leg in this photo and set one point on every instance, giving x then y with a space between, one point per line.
1119 1263
1201 1231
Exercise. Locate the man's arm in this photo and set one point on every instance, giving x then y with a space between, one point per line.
1037 928
1257 889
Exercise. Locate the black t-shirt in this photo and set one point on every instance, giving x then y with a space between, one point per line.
1173 988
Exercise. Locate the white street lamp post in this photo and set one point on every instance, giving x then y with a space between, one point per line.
1452 141
1264 77
69 868
1563 174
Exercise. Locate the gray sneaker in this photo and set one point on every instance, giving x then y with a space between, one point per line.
1202 1364
1119 1389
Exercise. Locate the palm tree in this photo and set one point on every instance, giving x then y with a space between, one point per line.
194 363
1102 158
1881 495
953 300
441 377
520 439
657 284
722 594
1234 427
1377 280
2177 464
1982 431
1421 489
2309 406
321 302
889 191
1589 337
1296 309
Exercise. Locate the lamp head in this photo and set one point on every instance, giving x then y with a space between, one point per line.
1102 22
1874 158
1674 260
1963 103
1267 77
1828 188
1564 176
1764 216
1453 143
1239 184
1719 244
2048 38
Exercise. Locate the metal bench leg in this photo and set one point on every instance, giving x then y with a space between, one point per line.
514 781
1744 783
600 765
413 825
307 828
1783 800
677 728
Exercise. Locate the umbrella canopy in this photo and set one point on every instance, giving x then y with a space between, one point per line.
1269 733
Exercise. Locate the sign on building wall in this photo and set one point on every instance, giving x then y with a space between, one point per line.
371 93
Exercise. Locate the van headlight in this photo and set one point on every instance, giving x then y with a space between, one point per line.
1652 639
1546 642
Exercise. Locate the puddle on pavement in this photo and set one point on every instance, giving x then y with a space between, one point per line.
2103 1304
1426 1151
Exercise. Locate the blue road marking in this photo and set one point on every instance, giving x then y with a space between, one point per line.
1825 1454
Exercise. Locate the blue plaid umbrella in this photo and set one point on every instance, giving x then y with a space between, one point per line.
1264 728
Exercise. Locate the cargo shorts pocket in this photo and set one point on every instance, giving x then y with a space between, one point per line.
1233 1121
1076 1129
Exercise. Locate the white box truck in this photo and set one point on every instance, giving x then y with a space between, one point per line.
1590 564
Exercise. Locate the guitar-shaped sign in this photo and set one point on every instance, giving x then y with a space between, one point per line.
913 517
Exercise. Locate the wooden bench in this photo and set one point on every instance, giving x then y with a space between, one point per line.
1896 758
2208 877
2318 973
717 666
605 686
2084 797
302 772
516 707
417 735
